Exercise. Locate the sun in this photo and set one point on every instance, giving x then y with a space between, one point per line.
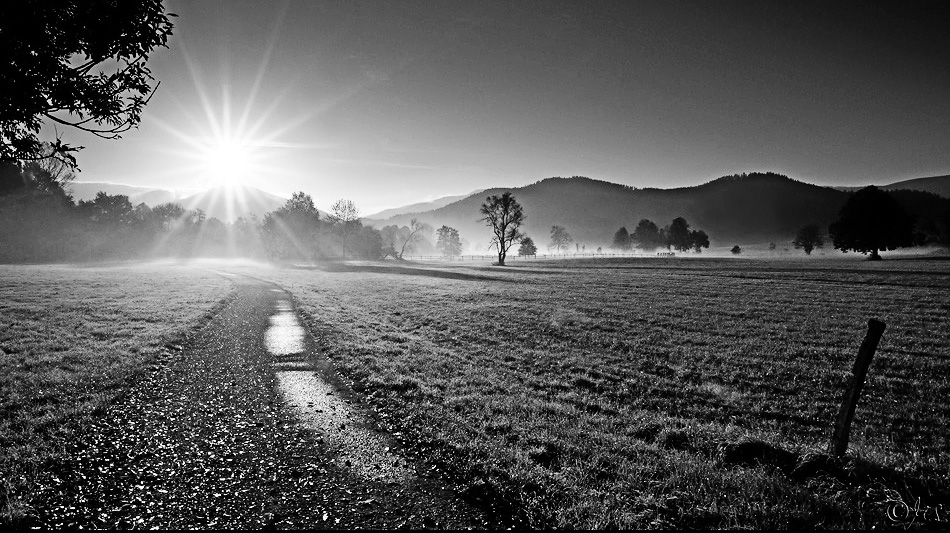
234 146
227 161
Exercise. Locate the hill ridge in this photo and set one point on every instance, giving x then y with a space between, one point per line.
737 208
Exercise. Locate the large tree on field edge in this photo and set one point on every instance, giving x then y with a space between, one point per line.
505 216
872 221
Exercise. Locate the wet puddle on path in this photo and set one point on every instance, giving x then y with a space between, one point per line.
285 334
321 409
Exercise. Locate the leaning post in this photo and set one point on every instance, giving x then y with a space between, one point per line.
839 440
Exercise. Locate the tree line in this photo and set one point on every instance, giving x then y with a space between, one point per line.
870 221
648 236
40 221
505 216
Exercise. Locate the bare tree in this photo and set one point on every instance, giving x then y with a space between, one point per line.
416 229
505 216
344 215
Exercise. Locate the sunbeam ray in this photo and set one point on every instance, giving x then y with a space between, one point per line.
265 62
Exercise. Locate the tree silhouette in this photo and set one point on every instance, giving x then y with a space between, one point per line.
809 238
505 216
736 250
393 236
368 243
291 230
560 238
448 242
527 247
621 239
109 210
301 203
49 173
870 221
416 228
166 216
647 235
699 240
678 235
79 63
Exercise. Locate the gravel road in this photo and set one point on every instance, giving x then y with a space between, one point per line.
211 437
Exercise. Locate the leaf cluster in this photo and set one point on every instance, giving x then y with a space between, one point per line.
76 63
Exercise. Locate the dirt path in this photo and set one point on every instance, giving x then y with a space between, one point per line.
226 433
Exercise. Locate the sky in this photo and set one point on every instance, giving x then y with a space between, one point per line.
392 103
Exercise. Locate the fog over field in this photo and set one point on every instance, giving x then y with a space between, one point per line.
474 264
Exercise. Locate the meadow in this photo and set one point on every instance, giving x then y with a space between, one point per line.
73 338
588 393
655 392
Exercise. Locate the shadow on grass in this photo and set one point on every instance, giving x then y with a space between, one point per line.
943 255
403 270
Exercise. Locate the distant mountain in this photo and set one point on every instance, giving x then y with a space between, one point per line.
230 202
158 196
759 207
939 185
419 207
87 190
753 208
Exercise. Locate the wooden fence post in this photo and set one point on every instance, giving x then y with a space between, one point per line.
839 440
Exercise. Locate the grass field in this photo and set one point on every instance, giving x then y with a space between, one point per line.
647 393
655 393
71 337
